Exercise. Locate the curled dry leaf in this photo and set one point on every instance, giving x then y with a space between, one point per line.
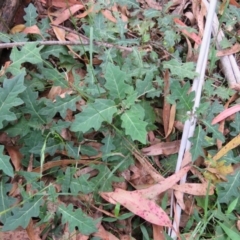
163 148
16 156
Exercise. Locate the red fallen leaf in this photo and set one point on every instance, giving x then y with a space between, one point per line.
193 36
226 113
140 206
139 201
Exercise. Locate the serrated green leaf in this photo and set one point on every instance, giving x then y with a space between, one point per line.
22 128
77 218
52 146
61 105
228 191
53 50
182 95
198 141
82 184
105 178
107 147
132 121
44 26
214 130
31 15
28 53
22 216
145 86
115 82
73 151
93 115
60 125
33 106
235 125
55 76
8 97
88 150
180 70
5 164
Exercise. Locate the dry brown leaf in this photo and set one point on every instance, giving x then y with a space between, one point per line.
61 3
164 185
139 205
196 189
226 113
222 123
191 35
16 156
190 50
64 162
67 13
84 14
17 234
32 232
166 104
32 30
17 29
158 232
108 15
103 234
171 119
148 167
163 148
179 197
229 51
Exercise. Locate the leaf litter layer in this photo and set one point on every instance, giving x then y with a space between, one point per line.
90 133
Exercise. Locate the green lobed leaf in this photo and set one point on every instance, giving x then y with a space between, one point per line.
82 184
29 53
31 15
54 51
93 115
33 106
107 147
214 130
5 165
180 70
198 141
8 97
145 86
61 105
115 81
132 121
182 95
105 178
22 216
77 218
88 150
228 191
